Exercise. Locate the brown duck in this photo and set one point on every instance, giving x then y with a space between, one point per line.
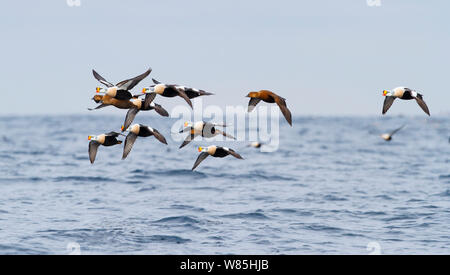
269 97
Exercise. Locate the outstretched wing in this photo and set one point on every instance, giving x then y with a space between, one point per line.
234 154
131 114
148 99
224 134
284 109
200 158
387 103
129 141
184 95
101 79
160 110
422 104
93 147
159 136
396 130
188 139
252 103
98 107
130 83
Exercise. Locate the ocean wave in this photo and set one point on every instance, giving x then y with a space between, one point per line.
83 179
246 216
178 219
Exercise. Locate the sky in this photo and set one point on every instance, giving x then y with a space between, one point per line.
326 57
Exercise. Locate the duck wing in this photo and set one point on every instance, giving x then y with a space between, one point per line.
98 107
224 134
148 99
396 130
387 103
188 139
101 79
200 158
132 82
184 95
252 103
284 109
160 110
129 141
93 147
159 136
422 104
131 114
234 154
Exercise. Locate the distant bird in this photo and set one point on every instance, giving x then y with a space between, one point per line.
388 137
139 106
269 97
172 90
122 89
403 93
202 128
215 151
139 130
108 139
255 144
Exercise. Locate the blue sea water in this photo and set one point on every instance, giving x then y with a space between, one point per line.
332 187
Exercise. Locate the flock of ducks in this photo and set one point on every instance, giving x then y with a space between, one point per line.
119 96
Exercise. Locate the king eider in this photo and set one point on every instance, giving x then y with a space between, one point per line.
172 90
202 128
122 89
108 139
214 151
405 94
139 130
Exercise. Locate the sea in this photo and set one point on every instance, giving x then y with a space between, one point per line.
332 186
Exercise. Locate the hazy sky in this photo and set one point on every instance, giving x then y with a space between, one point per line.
325 56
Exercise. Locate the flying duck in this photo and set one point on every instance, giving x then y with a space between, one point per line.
122 89
106 100
171 90
255 144
388 137
215 151
190 92
139 130
202 128
403 93
139 105
269 97
108 139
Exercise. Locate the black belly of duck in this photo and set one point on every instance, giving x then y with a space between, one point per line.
407 95
170 92
123 95
110 141
220 153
